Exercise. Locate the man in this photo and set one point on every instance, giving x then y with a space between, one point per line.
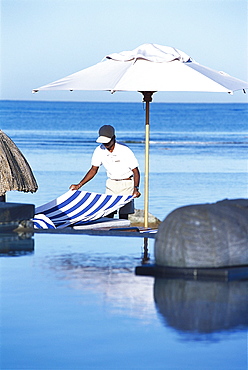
121 166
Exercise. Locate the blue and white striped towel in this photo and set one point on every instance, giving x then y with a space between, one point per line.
75 206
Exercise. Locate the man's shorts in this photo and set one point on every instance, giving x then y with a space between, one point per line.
121 187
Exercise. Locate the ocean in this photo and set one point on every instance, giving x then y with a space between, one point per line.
74 302
198 152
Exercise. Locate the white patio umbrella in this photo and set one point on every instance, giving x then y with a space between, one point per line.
147 69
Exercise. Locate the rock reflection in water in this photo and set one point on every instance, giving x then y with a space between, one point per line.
202 307
16 244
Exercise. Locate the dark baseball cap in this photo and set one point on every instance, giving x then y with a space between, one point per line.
106 133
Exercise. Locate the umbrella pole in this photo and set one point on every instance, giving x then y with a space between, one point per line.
147 99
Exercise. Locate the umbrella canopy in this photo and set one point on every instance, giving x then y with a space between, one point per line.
148 69
15 172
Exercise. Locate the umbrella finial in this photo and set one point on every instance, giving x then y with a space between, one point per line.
147 96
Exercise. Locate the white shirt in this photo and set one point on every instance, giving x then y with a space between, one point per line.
118 164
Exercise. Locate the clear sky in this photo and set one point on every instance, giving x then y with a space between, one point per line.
44 40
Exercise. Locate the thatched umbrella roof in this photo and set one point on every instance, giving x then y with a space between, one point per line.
15 172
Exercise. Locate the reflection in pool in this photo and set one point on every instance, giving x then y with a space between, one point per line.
16 244
202 307
76 303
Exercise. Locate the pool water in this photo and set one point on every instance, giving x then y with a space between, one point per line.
74 302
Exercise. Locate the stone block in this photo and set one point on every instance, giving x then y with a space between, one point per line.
11 214
137 219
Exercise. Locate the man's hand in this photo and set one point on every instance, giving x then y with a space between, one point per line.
74 187
136 193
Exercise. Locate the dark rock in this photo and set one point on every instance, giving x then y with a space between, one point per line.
205 235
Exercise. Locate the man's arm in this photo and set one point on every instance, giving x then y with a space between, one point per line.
89 175
136 177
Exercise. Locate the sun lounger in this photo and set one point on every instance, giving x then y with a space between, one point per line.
76 207
102 223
